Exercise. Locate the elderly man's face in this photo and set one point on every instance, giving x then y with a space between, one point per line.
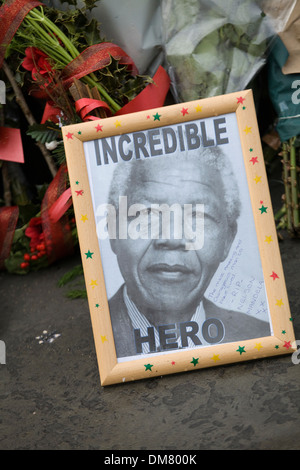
161 274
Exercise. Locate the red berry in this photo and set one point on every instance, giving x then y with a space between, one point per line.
24 265
27 257
34 257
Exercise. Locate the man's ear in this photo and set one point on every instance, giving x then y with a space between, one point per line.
113 245
230 236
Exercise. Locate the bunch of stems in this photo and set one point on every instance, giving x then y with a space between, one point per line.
53 42
289 215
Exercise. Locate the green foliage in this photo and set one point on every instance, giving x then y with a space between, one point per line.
44 133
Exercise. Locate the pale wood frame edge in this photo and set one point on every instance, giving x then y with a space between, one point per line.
111 371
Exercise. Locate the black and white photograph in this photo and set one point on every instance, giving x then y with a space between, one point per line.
177 238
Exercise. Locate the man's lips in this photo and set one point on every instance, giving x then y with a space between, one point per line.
160 268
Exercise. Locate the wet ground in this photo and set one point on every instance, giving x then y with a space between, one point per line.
51 397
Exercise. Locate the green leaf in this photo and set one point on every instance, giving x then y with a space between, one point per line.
44 132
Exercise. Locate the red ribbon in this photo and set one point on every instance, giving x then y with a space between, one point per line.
94 58
85 106
153 96
56 228
12 14
8 221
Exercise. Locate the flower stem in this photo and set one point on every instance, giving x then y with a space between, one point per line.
71 53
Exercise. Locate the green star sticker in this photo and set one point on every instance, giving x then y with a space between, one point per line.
148 367
79 132
250 150
276 347
88 254
97 305
195 361
156 117
77 182
241 350
263 209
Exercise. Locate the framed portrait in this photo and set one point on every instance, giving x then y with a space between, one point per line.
177 238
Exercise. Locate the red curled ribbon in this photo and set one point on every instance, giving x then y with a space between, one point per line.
12 14
85 106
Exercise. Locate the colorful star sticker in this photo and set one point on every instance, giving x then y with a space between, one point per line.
79 193
258 346
241 350
247 129
263 209
84 218
198 108
89 254
173 363
250 150
156 117
253 160
268 239
98 128
77 182
148 116
274 276
287 345
195 361
283 332
148 367
279 302
240 100
257 179
216 357
97 305
79 132
103 339
184 111
118 123
69 135
93 283
276 346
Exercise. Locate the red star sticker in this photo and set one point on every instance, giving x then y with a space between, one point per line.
274 276
69 135
240 100
148 117
79 193
98 127
254 160
173 363
287 345
184 111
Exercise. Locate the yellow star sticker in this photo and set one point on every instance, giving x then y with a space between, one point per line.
84 218
117 124
198 108
257 179
103 339
258 346
268 239
247 129
279 302
93 283
216 357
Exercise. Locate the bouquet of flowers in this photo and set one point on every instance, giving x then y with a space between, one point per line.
59 58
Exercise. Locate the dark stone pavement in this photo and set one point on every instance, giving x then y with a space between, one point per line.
51 397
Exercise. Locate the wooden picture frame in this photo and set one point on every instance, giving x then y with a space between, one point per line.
96 147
